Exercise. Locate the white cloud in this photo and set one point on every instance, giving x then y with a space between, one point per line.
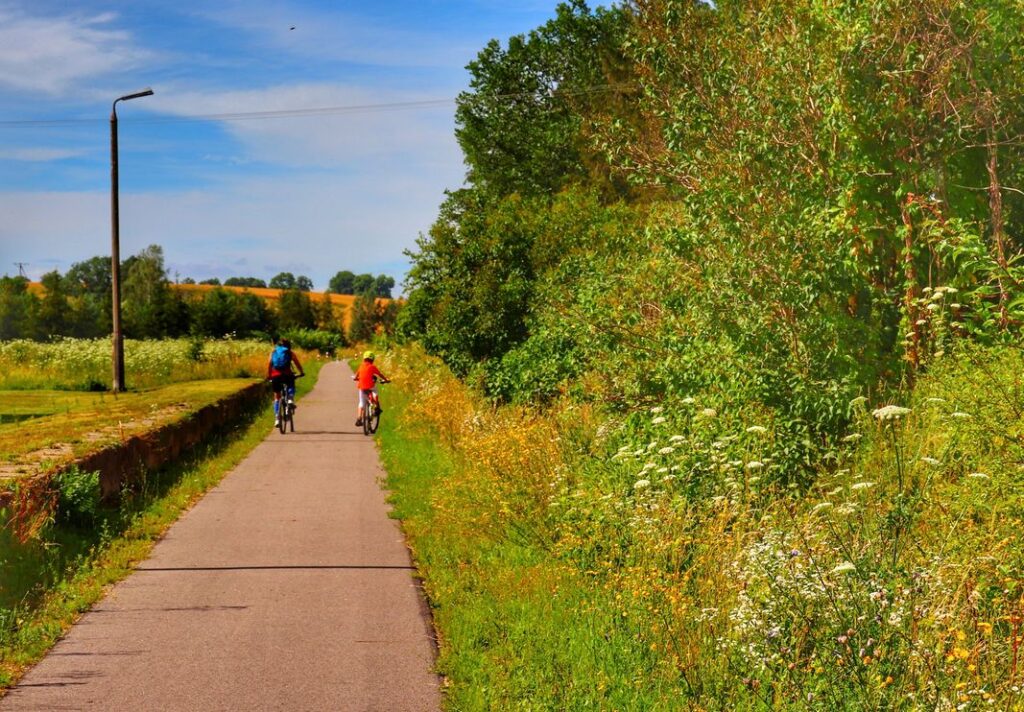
323 140
39 154
49 55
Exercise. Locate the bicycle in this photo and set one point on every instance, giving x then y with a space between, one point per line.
286 410
371 418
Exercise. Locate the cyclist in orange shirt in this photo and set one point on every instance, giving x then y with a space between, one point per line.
366 377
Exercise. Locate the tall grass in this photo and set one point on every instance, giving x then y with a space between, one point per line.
584 558
84 364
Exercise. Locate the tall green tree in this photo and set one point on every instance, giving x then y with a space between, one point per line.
18 307
343 282
53 316
295 310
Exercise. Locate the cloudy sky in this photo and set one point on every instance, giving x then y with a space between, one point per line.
310 193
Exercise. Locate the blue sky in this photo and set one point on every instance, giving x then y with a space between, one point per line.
305 194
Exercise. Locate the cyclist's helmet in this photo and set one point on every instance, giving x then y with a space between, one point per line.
369 355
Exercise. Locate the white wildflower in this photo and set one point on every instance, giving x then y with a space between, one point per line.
934 400
931 461
951 290
844 567
921 322
857 401
688 401
890 412
677 438
957 305
659 420
852 438
960 414
657 409
624 448
666 450
757 429
862 485
820 506
641 484
978 475
754 465
933 307
709 413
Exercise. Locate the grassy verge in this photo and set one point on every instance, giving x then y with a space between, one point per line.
569 566
517 628
47 583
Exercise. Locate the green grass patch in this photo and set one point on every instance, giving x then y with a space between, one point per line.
49 581
517 628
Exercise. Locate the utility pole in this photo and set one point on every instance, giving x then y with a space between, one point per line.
21 269
115 246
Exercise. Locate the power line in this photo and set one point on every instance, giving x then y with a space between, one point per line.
300 113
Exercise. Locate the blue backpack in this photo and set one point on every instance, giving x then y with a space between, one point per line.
281 359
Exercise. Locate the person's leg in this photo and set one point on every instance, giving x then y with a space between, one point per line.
362 407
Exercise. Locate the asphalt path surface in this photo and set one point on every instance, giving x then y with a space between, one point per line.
286 588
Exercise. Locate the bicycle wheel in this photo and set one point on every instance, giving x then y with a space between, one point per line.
291 415
367 417
282 415
374 420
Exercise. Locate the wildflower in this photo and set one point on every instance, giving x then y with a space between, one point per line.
709 413
960 414
890 412
857 401
624 448
956 305
927 290
978 475
659 420
666 450
820 506
933 307
931 461
934 400
843 568
852 438
688 400
951 290
754 465
921 322
757 429
862 485
657 409
641 484
677 438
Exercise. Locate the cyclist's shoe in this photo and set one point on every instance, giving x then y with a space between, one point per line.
359 421
277 421
379 410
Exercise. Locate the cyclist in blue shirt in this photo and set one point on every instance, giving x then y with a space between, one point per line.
279 372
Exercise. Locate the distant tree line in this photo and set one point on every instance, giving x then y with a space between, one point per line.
346 282
77 304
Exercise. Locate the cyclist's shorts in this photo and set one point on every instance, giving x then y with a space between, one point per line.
364 396
279 382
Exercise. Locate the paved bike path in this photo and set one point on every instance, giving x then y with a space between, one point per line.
286 588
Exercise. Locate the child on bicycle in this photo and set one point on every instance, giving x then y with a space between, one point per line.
366 377
280 375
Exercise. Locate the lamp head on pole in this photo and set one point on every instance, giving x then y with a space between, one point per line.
145 92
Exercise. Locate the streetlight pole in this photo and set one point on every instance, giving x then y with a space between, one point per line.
115 247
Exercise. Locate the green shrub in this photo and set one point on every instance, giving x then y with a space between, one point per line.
78 498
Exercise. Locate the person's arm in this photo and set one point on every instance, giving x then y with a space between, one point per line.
295 360
383 378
